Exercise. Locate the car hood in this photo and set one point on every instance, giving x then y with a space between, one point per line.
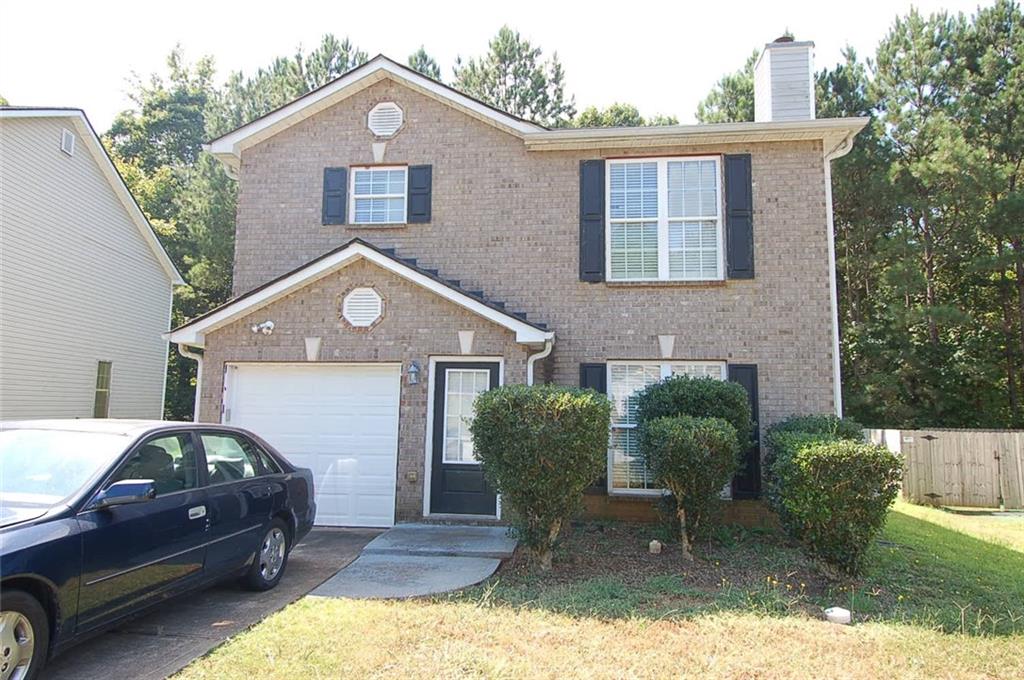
15 513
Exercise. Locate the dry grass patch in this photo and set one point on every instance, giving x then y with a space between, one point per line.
326 638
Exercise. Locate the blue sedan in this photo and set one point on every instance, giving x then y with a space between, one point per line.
102 518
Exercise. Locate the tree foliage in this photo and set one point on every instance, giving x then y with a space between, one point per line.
619 115
732 98
514 77
425 64
928 212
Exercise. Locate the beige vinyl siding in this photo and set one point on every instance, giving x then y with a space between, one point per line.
78 283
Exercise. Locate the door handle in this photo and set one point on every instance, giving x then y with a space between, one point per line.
197 512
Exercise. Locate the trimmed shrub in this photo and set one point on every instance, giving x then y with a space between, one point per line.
823 424
786 437
834 495
540 447
682 395
694 458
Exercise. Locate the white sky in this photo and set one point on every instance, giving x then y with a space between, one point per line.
663 57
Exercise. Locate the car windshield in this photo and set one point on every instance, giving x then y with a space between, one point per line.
46 466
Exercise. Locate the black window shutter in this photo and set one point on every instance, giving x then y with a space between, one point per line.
592 220
747 482
739 217
595 376
420 181
335 194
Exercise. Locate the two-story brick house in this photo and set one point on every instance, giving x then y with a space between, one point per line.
401 247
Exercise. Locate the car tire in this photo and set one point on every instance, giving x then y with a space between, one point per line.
24 634
271 557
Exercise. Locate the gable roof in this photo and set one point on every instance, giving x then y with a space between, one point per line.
194 332
229 146
99 154
835 132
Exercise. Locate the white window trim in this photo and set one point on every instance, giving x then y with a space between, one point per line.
444 440
663 218
352 195
666 372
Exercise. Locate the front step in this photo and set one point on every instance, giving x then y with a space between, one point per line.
444 541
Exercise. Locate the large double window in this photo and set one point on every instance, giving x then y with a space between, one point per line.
664 219
627 471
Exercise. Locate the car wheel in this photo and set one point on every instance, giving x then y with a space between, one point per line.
24 636
271 558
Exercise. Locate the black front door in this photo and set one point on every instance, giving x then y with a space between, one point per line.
457 483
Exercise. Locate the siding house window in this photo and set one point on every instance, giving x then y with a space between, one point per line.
627 472
665 219
378 195
101 400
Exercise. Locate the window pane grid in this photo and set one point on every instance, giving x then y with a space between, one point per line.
628 472
681 216
462 388
378 196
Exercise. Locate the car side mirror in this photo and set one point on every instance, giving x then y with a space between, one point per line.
124 492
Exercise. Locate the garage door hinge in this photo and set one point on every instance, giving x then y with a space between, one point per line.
226 413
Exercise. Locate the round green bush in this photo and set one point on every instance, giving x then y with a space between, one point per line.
823 424
834 496
540 447
682 395
694 458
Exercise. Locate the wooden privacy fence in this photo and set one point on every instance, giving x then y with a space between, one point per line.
975 468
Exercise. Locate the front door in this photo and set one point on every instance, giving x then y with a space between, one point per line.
457 483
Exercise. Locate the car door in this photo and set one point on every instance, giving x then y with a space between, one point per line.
241 499
133 554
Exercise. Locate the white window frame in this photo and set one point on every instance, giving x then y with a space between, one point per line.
663 219
665 367
352 195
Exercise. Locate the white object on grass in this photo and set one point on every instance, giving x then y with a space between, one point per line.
838 615
654 547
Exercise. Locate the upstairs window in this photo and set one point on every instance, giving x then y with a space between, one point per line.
378 195
665 219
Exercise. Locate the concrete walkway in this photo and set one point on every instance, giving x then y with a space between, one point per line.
411 560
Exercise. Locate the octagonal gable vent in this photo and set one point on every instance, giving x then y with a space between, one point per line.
362 307
385 119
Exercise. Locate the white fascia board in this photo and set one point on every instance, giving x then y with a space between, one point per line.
228 147
194 334
113 177
692 135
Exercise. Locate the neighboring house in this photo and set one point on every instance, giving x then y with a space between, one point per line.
85 288
401 247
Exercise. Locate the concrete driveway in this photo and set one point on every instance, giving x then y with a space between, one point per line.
170 636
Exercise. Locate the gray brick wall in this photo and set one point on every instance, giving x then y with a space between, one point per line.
506 221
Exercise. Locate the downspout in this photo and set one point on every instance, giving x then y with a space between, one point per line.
198 358
838 151
533 358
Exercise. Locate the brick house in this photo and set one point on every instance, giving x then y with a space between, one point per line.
401 247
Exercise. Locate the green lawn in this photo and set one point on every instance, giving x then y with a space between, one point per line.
941 599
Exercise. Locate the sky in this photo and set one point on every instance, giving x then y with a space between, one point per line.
663 57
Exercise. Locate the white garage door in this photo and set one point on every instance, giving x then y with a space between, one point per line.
341 421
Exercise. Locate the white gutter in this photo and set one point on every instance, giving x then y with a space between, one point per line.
198 358
838 151
533 358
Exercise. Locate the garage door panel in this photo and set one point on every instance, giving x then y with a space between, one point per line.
341 421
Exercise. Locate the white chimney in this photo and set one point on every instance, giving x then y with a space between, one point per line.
784 81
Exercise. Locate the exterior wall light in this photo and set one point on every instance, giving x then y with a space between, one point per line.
413 373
